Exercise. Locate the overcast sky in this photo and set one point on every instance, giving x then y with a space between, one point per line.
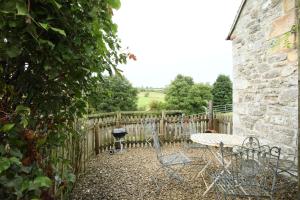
171 37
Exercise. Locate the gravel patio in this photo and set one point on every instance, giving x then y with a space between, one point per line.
128 176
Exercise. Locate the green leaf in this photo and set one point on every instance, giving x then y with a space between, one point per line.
42 181
16 153
2 22
13 51
47 42
116 4
14 160
44 25
25 185
21 8
55 4
8 6
114 28
60 31
41 141
4 164
7 127
22 109
24 122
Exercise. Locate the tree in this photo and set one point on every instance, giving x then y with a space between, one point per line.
222 91
51 54
198 97
115 93
184 94
177 92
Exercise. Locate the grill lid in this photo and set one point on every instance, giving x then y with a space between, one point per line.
119 131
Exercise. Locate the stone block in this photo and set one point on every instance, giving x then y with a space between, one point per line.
253 29
292 56
272 74
257 110
288 97
263 68
288 70
241 84
271 99
279 120
283 24
277 58
288 5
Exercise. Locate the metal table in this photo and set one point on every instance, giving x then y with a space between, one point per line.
214 140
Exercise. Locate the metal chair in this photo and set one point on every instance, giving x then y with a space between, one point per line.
250 174
170 164
251 142
188 127
289 165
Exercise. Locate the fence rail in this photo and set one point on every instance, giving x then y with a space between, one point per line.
172 127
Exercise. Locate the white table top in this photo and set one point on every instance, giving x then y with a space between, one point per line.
214 139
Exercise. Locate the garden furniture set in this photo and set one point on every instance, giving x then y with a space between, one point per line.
247 169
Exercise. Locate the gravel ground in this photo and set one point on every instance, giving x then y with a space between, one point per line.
128 176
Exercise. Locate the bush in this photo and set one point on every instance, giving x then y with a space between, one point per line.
157 105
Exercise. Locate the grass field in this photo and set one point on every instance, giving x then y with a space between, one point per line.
144 100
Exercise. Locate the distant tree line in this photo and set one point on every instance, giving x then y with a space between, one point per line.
115 93
184 94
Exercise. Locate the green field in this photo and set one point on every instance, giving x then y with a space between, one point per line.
144 101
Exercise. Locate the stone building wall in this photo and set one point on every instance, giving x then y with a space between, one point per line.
265 72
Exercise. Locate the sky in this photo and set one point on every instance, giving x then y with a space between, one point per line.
171 37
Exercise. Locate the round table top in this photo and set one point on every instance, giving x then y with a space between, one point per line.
214 139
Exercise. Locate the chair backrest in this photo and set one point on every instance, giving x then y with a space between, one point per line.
253 165
156 143
251 142
187 127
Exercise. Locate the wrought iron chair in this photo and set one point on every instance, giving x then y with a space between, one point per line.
170 164
288 168
250 174
289 165
251 142
188 127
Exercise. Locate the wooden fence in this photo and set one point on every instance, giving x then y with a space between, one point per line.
171 126
94 135
223 123
78 149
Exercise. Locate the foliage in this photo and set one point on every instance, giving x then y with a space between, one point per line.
222 91
156 105
177 92
51 53
114 93
184 94
198 97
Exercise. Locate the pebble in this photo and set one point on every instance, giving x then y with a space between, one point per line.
128 176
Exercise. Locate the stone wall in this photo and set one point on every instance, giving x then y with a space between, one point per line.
265 72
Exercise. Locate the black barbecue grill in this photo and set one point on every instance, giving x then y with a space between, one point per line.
119 134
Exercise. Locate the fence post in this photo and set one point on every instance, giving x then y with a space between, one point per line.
162 124
96 131
118 122
210 116
216 125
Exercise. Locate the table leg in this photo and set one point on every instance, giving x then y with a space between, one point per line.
217 178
